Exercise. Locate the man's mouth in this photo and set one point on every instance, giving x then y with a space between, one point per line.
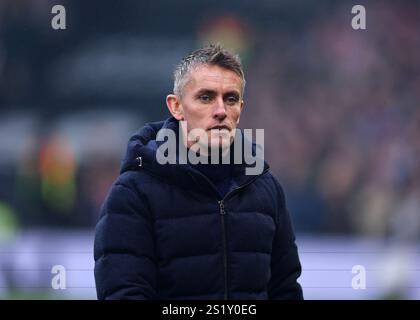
220 127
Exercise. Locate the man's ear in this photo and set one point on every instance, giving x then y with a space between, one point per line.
174 106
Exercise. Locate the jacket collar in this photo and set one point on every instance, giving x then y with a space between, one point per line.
141 155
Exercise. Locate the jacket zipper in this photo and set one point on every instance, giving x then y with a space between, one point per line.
222 212
225 267
224 241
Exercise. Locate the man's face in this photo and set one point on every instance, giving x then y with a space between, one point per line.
212 100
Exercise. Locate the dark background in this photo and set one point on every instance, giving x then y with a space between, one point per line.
340 108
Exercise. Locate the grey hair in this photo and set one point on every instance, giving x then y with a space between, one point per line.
213 54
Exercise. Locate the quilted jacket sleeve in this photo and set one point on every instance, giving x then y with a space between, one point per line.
285 264
124 249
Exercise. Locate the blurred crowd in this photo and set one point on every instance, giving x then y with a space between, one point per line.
57 173
340 109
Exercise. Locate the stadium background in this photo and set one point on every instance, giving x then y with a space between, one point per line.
340 109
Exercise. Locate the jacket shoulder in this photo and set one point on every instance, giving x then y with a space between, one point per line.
274 188
273 183
136 180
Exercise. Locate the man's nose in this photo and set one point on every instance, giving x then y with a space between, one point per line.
220 109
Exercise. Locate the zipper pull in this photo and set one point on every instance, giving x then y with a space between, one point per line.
222 207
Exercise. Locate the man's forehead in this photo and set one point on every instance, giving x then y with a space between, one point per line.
214 75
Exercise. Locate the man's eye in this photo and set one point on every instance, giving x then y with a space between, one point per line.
205 98
231 100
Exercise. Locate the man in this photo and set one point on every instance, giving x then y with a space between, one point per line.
196 231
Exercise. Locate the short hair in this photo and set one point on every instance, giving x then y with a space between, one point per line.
214 54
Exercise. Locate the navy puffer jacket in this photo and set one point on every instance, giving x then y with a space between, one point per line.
165 233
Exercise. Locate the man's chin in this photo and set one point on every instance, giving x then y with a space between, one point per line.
220 148
220 143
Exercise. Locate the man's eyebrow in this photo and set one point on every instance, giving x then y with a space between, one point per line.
205 91
232 92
